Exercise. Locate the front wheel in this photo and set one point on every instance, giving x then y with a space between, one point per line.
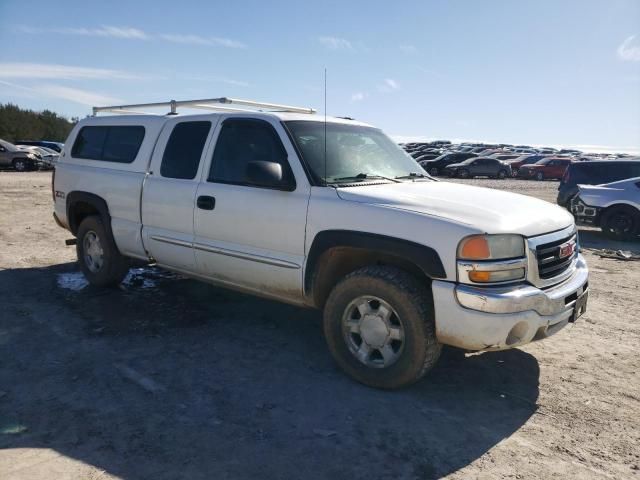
539 176
99 258
433 171
502 174
20 165
463 173
621 223
380 328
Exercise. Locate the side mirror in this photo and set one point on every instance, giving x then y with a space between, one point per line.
264 174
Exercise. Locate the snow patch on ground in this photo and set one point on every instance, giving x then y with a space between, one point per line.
72 281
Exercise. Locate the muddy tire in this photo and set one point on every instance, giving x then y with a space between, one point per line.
621 223
99 258
380 328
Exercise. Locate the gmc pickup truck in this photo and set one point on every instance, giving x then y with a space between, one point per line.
325 213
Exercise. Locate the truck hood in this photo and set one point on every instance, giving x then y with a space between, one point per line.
486 210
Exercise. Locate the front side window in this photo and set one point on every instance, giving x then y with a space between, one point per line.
182 154
242 141
350 153
108 143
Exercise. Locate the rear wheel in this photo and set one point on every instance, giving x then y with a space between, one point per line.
539 176
99 258
433 171
621 223
502 174
380 328
464 173
514 172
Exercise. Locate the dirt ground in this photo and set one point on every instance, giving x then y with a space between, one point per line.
169 378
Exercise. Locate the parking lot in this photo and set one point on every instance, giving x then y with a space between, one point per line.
167 377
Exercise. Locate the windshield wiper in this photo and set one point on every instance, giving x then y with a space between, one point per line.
413 175
365 176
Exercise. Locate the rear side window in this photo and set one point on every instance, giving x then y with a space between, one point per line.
108 143
183 151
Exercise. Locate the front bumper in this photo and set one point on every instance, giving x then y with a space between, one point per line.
477 318
583 213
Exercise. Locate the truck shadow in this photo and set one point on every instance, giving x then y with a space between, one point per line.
171 378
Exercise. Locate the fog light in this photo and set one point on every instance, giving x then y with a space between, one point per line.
481 276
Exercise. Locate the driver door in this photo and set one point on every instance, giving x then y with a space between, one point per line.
247 235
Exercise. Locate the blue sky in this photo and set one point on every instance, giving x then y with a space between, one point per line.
555 72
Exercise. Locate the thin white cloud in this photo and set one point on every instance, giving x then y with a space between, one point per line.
408 49
76 95
199 40
64 72
130 33
628 51
388 85
206 78
358 96
103 31
336 43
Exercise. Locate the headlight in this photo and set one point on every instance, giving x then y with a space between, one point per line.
491 247
488 259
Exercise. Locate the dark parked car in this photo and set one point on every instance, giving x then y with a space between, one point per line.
595 172
435 167
479 167
425 157
57 146
548 168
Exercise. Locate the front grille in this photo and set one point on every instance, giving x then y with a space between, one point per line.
550 264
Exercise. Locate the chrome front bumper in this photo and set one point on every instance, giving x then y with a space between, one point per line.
477 318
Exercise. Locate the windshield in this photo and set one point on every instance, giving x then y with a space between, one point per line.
353 153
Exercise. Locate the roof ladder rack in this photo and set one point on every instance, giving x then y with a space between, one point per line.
208 104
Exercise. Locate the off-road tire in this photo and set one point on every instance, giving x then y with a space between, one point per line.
413 302
611 218
114 267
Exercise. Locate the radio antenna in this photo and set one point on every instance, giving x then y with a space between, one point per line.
325 126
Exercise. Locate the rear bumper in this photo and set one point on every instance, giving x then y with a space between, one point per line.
499 318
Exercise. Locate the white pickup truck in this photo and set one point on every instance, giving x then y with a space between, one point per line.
323 213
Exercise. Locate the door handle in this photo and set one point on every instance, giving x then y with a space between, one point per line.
206 202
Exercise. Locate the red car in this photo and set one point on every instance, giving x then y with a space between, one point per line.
549 168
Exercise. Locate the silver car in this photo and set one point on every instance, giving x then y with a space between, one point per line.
20 160
614 207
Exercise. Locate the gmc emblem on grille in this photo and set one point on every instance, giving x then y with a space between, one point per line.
567 249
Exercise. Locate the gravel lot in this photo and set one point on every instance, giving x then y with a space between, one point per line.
169 378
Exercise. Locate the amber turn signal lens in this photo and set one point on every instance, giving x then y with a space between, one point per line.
475 248
478 276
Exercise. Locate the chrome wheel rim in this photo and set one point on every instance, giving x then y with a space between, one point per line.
93 253
373 331
20 166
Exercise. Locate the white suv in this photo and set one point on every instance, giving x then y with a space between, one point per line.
328 214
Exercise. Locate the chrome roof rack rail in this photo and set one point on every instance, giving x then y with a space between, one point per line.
208 104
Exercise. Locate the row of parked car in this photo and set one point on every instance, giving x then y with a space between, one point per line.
600 190
29 155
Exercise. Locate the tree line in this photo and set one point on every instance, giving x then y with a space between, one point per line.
21 124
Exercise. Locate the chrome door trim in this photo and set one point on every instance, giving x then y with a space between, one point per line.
171 241
246 256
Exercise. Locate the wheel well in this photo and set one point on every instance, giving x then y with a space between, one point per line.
337 262
78 212
82 204
619 206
